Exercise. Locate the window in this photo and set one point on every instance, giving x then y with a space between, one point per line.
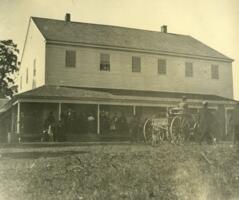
34 67
26 75
188 69
70 58
136 64
33 83
104 62
20 82
214 72
161 66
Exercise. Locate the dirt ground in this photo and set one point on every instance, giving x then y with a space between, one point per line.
119 171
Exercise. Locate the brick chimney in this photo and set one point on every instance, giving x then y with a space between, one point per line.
68 17
164 29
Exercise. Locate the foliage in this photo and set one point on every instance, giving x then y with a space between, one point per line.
8 67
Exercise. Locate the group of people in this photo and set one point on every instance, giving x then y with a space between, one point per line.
53 130
119 124
71 123
115 124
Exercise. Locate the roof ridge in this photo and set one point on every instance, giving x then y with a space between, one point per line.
113 26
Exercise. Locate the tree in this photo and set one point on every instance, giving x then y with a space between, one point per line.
8 67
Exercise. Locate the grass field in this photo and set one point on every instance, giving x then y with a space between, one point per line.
119 171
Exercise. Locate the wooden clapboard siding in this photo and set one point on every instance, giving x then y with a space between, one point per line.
87 73
34 49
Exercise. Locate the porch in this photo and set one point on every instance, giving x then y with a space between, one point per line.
26 113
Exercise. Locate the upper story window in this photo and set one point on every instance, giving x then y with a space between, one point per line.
214 72
136 64
70 58
189 69
162 66
104 62
34 67
26 75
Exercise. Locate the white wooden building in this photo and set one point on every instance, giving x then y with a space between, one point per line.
79 65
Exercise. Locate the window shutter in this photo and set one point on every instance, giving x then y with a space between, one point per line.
188 69
70 58
34 67
136 64
214 72
162 66
26 75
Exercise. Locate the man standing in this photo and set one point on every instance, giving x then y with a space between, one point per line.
183 105
205 122
235 124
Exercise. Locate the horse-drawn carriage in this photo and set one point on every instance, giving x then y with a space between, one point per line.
173 126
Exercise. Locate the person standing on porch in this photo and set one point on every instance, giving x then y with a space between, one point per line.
91 123
122 124
60 131
104 122
113 124
235 124
69 121
49 126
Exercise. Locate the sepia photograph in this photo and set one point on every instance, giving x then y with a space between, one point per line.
119 100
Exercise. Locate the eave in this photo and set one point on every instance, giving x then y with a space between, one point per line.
118 48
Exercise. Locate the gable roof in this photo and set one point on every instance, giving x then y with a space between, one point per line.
121 37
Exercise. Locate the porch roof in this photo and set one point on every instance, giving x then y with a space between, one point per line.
78 93
3 103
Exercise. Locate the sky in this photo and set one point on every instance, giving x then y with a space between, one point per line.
214 22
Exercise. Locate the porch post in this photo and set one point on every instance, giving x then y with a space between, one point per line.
59 111
18 119
134 110
226 121
98 118
12 126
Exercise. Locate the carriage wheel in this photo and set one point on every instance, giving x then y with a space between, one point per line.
174 129
179 130
148 131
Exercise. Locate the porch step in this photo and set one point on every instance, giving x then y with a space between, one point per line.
96 137
79 138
